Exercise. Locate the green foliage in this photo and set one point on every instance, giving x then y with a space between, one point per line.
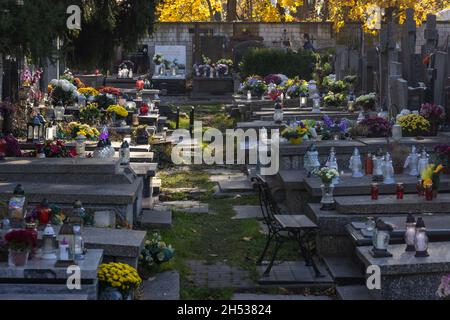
263 61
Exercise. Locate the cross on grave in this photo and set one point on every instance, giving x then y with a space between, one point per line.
408 48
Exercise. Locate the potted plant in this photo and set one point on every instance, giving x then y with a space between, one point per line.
255 85
154 254
118 281
20 243
414 125
434 114
118 114
377 127
296 133
327 175
367 102
334 100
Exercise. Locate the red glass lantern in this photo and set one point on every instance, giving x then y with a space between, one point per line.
429 192
420 188
143 110
43 212
400 191
369 165
3 145
375 191
140 84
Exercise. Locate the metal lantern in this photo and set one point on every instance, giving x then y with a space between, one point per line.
80 146
278 113
351 102
381 238
316 103
17 207
49 244
66 239
78 243
421 239
124 153
303 100
312 88
35 130
410 234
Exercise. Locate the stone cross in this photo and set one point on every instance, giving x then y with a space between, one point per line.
409 48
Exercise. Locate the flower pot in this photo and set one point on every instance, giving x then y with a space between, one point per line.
327 201
111 294
17 258
296 141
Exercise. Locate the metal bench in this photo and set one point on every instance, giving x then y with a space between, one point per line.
284 227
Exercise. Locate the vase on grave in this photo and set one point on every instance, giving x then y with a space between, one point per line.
18 258
327 201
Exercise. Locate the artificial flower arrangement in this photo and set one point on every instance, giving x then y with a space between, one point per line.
117 110
274 79
158 59
75 129
330 84
88 92
228 62
327 175
334 100
155 253
119 276
376 127
443 154
329 128
110 90
20 240
104 100
432 176
296 133
222 69
28 79
295 87
414 125
62 91
367 102
255 85
58 149
90 114
434 114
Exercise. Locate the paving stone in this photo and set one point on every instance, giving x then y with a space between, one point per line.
193 207
271 297
353 293
156 219
247 212
293 272
166 286
236 185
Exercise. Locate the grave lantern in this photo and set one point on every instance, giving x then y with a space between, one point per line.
303 100
17 207
34 130
66 240
59 111
421 239
49 244
249 95
278 113
351 102
80 145
316 103
124 153
381 238
410 234
50 132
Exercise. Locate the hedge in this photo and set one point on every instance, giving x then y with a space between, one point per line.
264 61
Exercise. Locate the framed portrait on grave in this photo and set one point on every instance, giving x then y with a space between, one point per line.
173 53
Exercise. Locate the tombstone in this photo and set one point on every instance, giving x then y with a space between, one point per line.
431 35
398 95
395 74
416 97
213 47
440 65
408 48
370 65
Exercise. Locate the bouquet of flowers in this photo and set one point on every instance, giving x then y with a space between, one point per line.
296 132
327 175
119 111
336 86
329 128
20 240
434 114
104 100
255 85
432 176
57 149
155 253
75 129
443 154
158 59
273 78
88 92
334 100
120 276
228 62
275 94
110 90
62 90
414 125
222 69
367 101
295 87
376 127
90 114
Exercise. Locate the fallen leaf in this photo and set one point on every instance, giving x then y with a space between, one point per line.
194 231
247 239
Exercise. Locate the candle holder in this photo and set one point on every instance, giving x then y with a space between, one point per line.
421 239
400 191
381 238
375 191
410 234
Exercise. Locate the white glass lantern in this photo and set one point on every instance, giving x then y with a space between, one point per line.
316 103
278 116
381 239
397 132
249 95
421 239
124 153
49 244
80 146
410 234
303 100
59 112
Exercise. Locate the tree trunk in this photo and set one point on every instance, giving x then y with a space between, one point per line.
231 10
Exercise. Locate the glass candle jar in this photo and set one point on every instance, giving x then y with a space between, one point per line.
429 192
420 188
400 191
375 191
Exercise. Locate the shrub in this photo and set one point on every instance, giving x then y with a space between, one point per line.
263 62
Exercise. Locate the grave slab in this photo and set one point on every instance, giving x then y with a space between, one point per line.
388 204
236 185
156 219
405 277
354 292
165 286
344 270
247 212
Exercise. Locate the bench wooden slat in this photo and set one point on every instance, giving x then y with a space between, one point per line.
295 222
